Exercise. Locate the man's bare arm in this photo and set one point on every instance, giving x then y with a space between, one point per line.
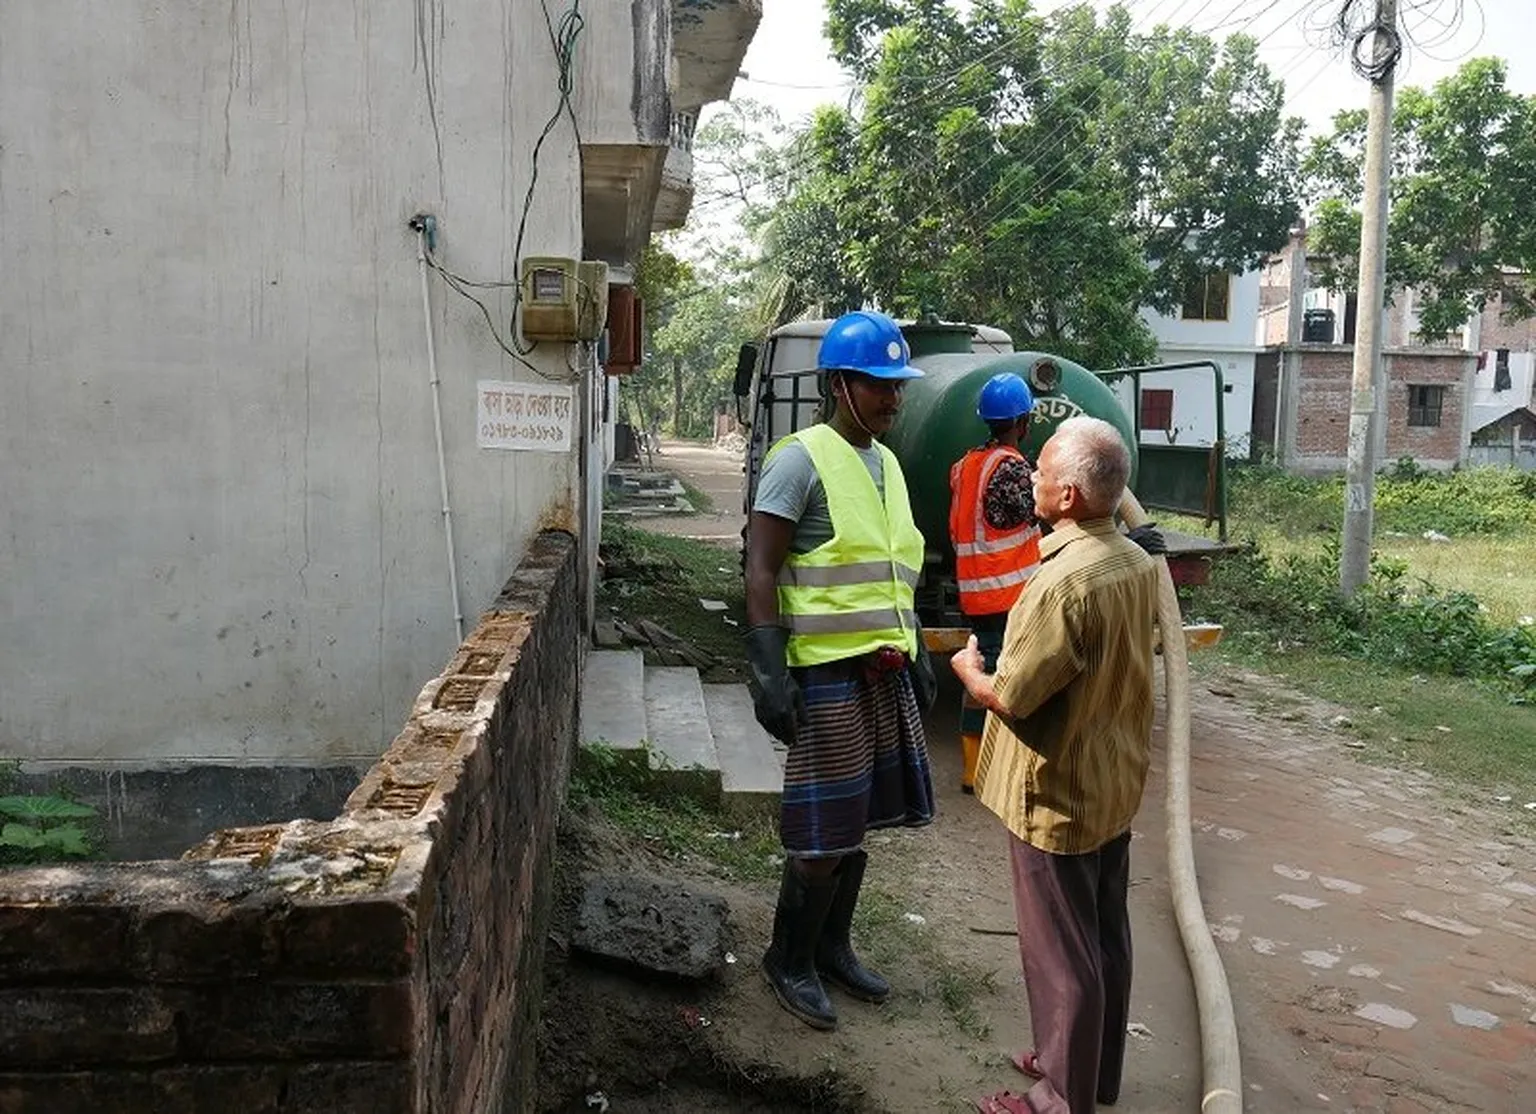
968 666
767 549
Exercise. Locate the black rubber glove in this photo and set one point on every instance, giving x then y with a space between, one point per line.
776 698
1149 538
923 679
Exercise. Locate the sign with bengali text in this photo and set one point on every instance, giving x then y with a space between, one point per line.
524 416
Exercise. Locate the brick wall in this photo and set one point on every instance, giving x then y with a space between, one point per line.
1321 437
1518 336
385 962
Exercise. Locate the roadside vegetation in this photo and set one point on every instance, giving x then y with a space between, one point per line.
1436 655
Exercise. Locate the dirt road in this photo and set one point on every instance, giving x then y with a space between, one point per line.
1378 929
718 475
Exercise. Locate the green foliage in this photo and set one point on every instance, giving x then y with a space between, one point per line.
634 796
43 828
1293 602
1408 499
1463 169
1048 174
695 321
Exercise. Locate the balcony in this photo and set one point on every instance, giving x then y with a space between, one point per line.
676 196
647 69
709 40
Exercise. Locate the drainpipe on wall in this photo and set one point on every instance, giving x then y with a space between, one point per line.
425 226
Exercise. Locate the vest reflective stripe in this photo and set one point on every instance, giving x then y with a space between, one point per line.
832 576
854 593
991 566
1007 580
851 622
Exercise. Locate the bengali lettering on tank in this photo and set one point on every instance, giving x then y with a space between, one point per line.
524 416
1056 408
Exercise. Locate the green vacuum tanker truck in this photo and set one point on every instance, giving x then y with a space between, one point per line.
778 392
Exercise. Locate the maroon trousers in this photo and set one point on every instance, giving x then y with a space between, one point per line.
1075 940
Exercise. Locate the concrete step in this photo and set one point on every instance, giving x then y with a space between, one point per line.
677 728
751 760
613 700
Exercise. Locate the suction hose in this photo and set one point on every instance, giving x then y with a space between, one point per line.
1223 1072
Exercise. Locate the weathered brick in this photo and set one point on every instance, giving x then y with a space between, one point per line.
295 1021
83 1092
78 1025
207 941
343 937
42 941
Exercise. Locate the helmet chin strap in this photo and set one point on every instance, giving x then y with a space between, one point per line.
852 409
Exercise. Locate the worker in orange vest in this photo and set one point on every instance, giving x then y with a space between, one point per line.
994 532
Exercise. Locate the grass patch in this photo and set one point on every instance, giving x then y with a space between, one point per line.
1436 638
698 500
660 578
636 798
885 938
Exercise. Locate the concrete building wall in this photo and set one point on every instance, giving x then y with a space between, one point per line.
220 523
1231 344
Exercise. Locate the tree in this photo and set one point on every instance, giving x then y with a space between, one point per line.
1463 175
1050 174
695 321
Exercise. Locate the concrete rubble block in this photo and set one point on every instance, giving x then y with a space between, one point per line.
654 924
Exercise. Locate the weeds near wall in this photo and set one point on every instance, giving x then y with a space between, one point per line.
632 792
1294 603
44 828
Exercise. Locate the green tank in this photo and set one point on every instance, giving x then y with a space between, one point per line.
938 421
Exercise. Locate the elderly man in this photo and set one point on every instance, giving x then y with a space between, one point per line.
1063 763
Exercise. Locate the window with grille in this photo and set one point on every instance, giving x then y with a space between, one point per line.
1205 299
1157 409
1424 403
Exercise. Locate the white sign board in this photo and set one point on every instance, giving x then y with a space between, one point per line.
524 416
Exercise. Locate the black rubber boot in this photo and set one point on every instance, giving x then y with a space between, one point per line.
790 962
834 954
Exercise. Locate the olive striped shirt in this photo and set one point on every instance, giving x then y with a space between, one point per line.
1065 772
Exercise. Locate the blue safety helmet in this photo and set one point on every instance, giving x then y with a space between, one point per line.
869 343
1004 398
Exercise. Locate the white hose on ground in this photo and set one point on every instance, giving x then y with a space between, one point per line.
1223 1071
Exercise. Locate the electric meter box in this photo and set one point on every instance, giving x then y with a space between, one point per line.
563 299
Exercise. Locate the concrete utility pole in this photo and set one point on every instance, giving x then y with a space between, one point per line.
1367 395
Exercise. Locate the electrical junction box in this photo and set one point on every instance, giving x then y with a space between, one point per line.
563 299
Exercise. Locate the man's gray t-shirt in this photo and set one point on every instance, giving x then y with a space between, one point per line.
790 487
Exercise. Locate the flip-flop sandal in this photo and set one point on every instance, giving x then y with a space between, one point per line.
1004 1102
1028 1063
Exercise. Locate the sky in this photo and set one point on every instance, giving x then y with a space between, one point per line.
788 67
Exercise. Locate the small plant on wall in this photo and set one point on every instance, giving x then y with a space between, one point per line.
44 828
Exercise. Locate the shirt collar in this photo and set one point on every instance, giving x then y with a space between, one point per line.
1066 532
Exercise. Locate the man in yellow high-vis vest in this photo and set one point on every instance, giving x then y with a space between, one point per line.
839 669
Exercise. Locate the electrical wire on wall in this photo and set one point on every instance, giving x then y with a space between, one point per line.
563 37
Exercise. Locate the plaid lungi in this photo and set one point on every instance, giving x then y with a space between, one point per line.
859 762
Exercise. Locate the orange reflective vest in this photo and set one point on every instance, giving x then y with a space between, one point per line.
992 566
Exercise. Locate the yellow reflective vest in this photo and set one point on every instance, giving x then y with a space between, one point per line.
852 594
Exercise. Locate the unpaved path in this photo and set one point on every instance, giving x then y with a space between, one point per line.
718 474
1378 929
